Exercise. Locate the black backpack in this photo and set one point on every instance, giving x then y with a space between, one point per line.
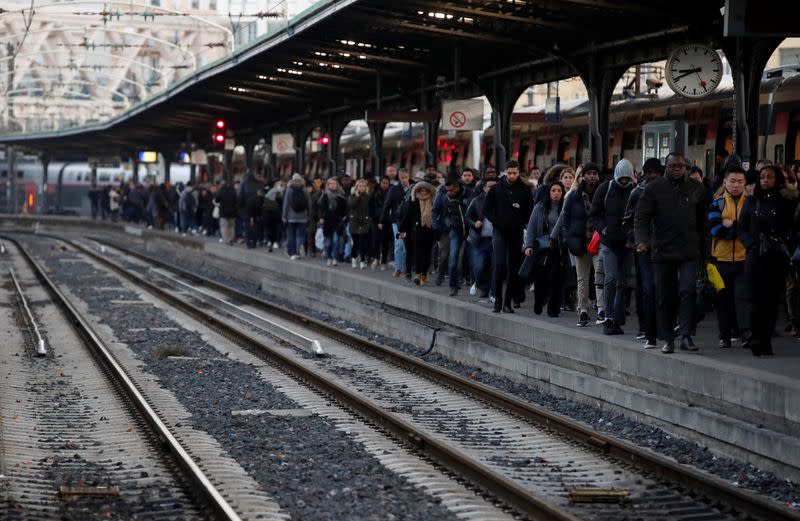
298 201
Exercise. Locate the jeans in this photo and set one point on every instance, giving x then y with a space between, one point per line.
456 242
226 227
296 233
187 220
507 260
482 263
646 304
442 263
332 246
668 275
399 251
617 263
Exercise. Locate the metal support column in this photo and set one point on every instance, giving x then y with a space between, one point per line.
135 176
11 186
376 147
249 143
431 130
600 84
748 58
191 147
269 160
93 174
335 129
167 157
502 102
300 136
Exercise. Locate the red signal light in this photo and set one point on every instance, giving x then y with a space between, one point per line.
324 140
219 138
220 123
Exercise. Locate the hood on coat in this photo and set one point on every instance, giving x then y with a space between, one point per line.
422 184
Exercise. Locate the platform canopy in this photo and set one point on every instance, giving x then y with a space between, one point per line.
333 59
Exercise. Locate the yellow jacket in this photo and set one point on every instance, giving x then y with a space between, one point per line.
725 245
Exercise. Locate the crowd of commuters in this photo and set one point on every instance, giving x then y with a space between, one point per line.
597 243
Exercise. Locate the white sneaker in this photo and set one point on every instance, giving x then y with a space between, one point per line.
473 290
302 250
328 262
220 241
362 265
335 263
354 262
383 267
491 299
294 257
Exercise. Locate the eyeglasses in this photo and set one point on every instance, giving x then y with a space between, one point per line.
676 165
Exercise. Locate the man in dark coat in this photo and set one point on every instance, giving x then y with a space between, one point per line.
508 206
671 224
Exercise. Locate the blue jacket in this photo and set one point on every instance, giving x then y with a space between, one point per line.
439 211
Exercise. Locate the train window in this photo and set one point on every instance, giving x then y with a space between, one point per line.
104 178
779 154
692 134
4 174
20 174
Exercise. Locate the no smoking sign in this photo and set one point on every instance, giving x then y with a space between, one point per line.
458 119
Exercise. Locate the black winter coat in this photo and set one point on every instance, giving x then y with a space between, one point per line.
608 208
376 206
509 206
767 222
629 218
576 228
227 201
392 202
333 214
671 219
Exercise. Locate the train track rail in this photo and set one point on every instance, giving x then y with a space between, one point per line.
209 500
499 486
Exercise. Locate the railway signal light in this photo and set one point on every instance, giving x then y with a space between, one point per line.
324 140
218 134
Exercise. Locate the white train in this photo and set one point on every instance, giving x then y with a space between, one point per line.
35 196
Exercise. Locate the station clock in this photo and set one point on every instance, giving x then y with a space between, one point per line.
693 70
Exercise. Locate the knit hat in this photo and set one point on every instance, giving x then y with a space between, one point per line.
652 165
732 159
297 180
588 167
623 169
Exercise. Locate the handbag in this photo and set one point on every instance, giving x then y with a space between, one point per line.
473 236
526 269
319 239
543 243
215 212
593 248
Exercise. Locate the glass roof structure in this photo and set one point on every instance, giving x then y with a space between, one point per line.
66 64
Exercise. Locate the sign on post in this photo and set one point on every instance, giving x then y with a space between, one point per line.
282 144
462 114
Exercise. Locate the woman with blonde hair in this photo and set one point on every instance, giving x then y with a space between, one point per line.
332 211
360 220
418 224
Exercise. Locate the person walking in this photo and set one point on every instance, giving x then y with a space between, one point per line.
296 204
606 213
670 222
382 230
390 213
768 230
228 208
480 238
360 222
549 273
508 206
578 231
417 224
332 212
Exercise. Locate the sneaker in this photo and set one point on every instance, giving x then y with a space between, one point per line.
583 319
374 264
397 273
220 241
687 344
669 347
492 300
383 267
611 327
335 263
362 265
439 280
294 257
328 262
725 343
650 343
601 317
354 262
641 335
453 292
473 290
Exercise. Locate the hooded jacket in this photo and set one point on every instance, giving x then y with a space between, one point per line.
509 206
577 229
725 243
412 219
289 214
608 206
671 219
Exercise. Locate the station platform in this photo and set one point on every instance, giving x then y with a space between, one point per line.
741 405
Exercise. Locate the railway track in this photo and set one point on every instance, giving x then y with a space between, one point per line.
558 468
78 438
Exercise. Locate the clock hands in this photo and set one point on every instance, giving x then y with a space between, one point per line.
686 72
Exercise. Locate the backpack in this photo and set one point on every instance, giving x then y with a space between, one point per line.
298 201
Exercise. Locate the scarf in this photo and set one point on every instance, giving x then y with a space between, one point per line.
333 199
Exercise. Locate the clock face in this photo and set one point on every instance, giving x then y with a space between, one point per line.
694 71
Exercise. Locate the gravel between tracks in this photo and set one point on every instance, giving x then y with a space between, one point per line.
314 470
683 451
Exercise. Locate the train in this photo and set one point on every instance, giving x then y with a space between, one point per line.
32 196
537 143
